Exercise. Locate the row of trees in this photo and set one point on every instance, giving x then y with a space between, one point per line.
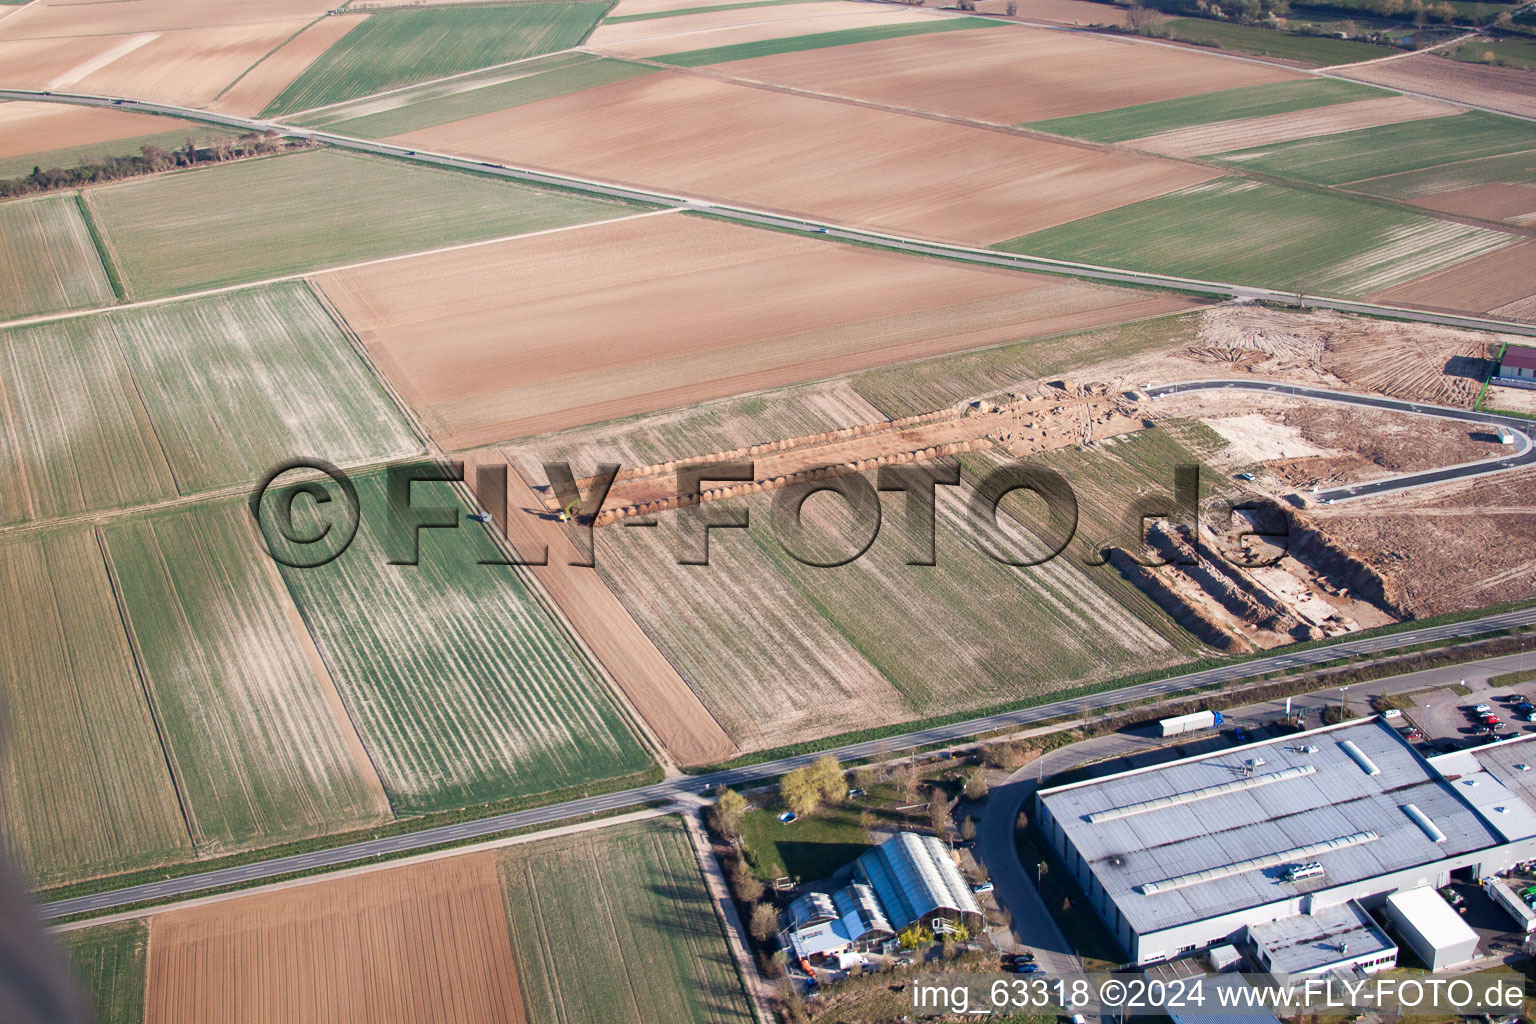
807 788
149 159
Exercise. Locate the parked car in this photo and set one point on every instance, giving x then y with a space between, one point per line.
1525 705
1482 709
1492 719
1415 734
1025 967
984 887
1392 713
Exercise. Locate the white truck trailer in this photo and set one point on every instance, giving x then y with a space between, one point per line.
1180 724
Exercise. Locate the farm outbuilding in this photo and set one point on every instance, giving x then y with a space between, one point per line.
1517 367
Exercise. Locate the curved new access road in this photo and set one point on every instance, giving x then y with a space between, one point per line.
1523 453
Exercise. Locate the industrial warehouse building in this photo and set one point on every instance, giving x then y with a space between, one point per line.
907 879
1204 851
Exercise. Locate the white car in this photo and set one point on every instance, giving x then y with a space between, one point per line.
1391 713
984 887
1482 709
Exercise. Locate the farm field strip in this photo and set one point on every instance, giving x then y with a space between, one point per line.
72 156
425 943
257 750
47 259
141 405
260 83
1503 89
84 788
816 41
1512 168
1265 42
464 688
1268 235
109 963
655 952
1016 74
1149 119
704 6
396 48
1389 149
688 295
532 85
733 26
172 229
1281 128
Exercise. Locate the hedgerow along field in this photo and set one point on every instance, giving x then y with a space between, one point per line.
305 211
71 156
1250 232
818 41
139 405
553 76
260 745
48 261
402 47
1390 149
84 789
617 924
465 688
1207 108
109 963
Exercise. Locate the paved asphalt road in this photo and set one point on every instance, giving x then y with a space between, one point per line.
672 788
1521 453
746 215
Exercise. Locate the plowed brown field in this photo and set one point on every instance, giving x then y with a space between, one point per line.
261 84
1507 202
745 25
1061 12
855 165
426 943
1010 75
73 18
1481 284
544 333
1226 136
41 127
1508 89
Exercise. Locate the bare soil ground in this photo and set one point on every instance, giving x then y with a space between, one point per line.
543 333
1521 309
653 38
1062 12
1508 89
792 153
1515 204
42 127
71 18
680 722
1485 283
625 8
1010 76
1226 136
425 943
260 85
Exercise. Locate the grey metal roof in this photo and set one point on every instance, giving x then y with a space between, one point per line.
812 908
1310 942
1339 798
914 875
861 911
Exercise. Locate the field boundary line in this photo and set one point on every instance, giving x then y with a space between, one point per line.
138 394
18 9
1406 53
139 669
727 917
303 274
103 250
262 59
613 929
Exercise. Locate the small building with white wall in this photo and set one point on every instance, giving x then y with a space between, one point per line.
1431 928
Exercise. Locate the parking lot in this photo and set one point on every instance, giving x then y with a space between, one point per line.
1449 721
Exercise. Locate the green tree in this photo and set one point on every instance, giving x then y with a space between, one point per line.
800 790
763 921
728 812
828 773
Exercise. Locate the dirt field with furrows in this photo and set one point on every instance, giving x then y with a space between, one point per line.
1513 203
1226 136
1011 75
1508 89
43 127
260 85
657 36
71 18
856 165
625 8
1484 283
1521 309
1061 12
678 719
426 943
645 314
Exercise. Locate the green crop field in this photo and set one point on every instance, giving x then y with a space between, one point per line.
237 382
1512 168
617 925
1268 42
256 219
1207 108
75 435
84 788
143 404
241 698
465 688
47 259
1390 148
397 48
110 964
565 73
22 164
818 41
1260 234
1505 53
